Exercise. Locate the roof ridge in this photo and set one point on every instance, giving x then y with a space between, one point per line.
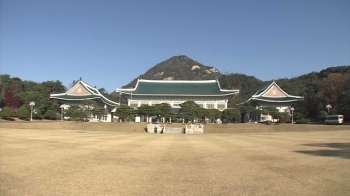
178 81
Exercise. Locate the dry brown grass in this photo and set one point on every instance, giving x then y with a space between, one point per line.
140 127
72 158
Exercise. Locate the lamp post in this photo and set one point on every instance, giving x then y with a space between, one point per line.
292 109
62 109
328 107
105 116
32 103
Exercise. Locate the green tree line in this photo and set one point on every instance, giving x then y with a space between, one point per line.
330 86
327 87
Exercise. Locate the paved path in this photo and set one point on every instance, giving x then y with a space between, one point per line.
44 162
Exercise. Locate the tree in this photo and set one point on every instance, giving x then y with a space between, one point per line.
247 86
272 111
246 109
282 116
5 81
42 102
211 114
49 87
88 106
124 112
50 114
23 112
164 110
322 116
29 86
15 85
297 116
75 112
6 113
333 89
146 110
231 113
343 101
190 111
269 110
99 112
10 101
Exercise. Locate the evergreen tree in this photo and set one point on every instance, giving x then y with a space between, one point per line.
125 112
6 113
50 114
190 111
231 114
23 112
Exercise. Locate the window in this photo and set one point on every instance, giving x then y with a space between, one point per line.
200 105
210 106
221 106
144 102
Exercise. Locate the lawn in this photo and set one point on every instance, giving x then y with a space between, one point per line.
109 161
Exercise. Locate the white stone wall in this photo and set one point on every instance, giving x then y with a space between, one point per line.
208 104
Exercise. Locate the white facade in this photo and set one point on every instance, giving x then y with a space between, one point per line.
208 104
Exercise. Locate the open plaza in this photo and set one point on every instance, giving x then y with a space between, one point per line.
72 158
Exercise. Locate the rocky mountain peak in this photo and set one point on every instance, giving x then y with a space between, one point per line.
179 68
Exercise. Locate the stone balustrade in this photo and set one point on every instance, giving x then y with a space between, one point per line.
188 129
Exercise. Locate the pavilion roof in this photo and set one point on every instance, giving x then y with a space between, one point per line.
274 93
178 88
82 91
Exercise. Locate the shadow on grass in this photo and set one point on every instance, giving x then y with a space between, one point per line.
340 150
8 118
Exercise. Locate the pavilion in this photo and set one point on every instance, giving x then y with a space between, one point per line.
271 96
82 91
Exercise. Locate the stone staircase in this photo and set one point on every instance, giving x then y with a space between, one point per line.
162 129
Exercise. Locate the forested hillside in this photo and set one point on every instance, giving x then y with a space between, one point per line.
16 94
329 86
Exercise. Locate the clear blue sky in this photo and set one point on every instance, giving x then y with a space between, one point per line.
110 42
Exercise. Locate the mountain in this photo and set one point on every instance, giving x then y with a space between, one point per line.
178 68
184 68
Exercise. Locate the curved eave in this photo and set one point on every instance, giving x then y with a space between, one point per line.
275 97
74 99
276 100
184 95
81 98
109 102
